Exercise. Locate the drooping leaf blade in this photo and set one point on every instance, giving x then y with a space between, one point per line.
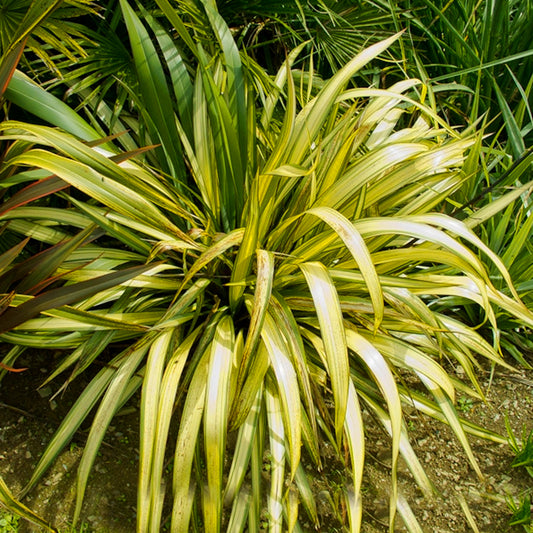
66 295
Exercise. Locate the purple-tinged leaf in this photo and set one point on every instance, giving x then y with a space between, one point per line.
9 64
34 191
67 295
10 255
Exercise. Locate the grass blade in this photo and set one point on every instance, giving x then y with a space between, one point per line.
191 419
233 238
27 95
259 307
354 429
221 366
109 405
243 451
288 392
147 492
155 95
75 417
276 430
327 306
387 385
313 116
355 243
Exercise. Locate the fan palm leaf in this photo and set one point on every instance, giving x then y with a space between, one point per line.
45 28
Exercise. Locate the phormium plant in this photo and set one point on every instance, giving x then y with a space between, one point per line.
291 256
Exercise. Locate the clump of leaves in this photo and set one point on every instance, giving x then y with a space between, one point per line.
485 49
290 258
9 523
523 450
521 513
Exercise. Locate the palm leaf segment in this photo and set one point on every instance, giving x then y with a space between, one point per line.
297 260
45 28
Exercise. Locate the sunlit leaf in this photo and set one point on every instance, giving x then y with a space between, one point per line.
329 314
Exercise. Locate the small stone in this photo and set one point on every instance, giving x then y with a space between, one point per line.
100 469
45 392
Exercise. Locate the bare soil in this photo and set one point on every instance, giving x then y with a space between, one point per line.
28 419
460 491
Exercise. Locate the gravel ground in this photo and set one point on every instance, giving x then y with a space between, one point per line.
463 502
